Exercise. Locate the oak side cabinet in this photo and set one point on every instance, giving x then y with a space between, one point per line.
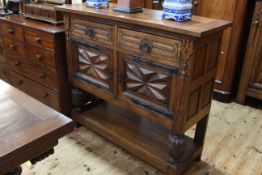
251 77
155 78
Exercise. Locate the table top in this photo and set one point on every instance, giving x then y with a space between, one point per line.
25 122
197 27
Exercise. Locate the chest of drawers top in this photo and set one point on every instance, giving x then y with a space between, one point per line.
197 27
22 21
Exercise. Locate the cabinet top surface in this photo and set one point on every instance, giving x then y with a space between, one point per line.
197 27
21 20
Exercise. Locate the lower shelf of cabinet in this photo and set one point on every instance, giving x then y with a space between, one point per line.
141 137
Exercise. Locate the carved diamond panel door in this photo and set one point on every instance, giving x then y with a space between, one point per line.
93 66
144 84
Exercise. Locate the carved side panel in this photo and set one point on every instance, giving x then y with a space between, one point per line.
186 51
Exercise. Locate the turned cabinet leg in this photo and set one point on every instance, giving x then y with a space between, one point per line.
177 147
200 133
80 98
15 171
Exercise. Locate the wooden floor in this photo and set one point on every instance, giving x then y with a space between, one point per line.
233 146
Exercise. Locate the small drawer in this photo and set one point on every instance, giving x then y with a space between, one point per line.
160 49
85 30
41 93
33 72
12 31
4 74
39 38
13 46
41 56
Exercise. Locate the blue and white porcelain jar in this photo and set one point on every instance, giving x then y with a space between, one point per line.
179 10
97 3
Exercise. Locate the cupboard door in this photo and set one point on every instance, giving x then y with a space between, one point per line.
93 65
145 83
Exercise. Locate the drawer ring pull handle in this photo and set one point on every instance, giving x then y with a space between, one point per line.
145 46
17 63
39 57
12 46
37 39
44 95
10 30
90 32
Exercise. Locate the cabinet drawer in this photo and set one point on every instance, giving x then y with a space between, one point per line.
41 56
13 46
159 49
12 31
4 74
39 38
85 30
33 72
34 89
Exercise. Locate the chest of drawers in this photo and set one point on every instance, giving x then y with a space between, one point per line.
155 76
33 60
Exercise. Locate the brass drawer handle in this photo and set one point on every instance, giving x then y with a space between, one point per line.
37 39
145 46
42 75
39 57
45 95
256 22
12 46
90 32
17 63
19 82
10 30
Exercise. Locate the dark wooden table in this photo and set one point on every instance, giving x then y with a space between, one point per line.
28 129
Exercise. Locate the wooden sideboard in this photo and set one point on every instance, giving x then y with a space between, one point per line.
33 59
155 76
251 77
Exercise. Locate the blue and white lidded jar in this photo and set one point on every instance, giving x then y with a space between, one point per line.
179 10
97 3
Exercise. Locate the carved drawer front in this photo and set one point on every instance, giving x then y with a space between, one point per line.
13 46
88 31
33 72
39 38
4 74
145 83
34 89
93 65
160 49
41 56
12 31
